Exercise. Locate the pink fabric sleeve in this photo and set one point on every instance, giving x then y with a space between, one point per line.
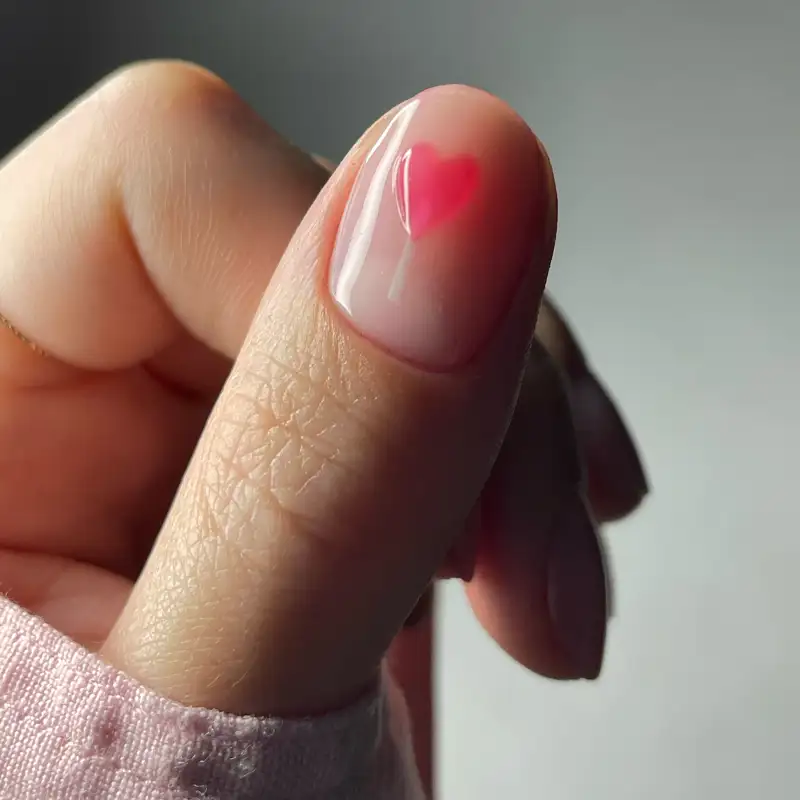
73 727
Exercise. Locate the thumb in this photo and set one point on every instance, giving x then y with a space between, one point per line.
361 419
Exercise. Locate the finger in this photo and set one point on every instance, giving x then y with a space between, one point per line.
361 419
410 662
158 204
592 432
511 594
539 585
616 480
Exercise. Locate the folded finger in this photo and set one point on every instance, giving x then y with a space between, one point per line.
157 206
540 583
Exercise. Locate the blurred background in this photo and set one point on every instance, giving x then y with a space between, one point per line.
674 130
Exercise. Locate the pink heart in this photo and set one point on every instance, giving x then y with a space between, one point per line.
430 189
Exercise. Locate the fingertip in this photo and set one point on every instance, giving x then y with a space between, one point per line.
577 582
543 595
451 211
617 483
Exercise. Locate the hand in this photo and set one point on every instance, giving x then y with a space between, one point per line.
159 232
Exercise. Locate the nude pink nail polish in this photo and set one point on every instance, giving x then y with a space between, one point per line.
447 212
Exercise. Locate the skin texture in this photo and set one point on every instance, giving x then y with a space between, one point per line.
164 231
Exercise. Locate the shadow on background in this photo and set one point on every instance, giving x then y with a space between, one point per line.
320 71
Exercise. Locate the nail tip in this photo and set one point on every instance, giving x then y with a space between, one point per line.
633 476
642 482
589 665
590 661
585 670
622 453
638 500
421 611
592 676
594 668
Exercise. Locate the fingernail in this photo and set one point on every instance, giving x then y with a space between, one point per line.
460 561
577 590
448 210
608 446
422 610
554 333
617 478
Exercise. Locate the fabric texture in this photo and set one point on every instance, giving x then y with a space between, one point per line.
73 727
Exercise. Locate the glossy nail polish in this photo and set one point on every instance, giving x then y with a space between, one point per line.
422 610
617 480
438 230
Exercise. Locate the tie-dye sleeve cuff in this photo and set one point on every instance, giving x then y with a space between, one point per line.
73 727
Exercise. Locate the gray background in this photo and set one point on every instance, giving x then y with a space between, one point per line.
674 130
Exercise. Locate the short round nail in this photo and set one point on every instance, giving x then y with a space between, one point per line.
617 480
577 590
440 228
554 334
422 610
608 446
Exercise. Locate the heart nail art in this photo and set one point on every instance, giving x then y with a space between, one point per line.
429 189
441 223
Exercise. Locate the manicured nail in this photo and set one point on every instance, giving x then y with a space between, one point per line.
449 209
616 475
460 560
617 480
422 610
554 333
577 590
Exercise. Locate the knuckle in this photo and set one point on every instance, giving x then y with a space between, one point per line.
159 77
164 93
